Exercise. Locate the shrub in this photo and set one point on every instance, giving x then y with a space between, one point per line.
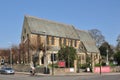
97 65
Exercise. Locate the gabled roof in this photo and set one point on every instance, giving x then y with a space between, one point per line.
88 41
42 26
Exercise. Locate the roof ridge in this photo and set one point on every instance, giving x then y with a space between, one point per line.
82 30
54 22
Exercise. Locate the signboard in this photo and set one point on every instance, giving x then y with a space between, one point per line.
104 69
61 63
2 61
71 69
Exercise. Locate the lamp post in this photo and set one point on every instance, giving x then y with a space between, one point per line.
107 62
68 52
100 61
10 57
45 53
45 56
10 54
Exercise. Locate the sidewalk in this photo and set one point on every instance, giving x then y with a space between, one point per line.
70 74
27 73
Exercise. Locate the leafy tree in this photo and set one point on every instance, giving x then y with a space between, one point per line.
88 60
107 46
118 43
103 51
117 57
67 54
97 36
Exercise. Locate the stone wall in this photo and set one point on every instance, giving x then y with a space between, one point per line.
21 68
63 70
115 69
26 68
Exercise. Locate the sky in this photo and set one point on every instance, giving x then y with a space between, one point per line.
103 15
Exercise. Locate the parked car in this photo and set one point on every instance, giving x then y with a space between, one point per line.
7 70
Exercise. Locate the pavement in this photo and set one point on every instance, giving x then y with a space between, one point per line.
71 74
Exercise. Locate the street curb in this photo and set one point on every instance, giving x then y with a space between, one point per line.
69 74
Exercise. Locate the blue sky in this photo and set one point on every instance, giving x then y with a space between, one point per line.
103 15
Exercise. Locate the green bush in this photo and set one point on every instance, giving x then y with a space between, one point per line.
83 66
55 65
111 64
97 65
103 64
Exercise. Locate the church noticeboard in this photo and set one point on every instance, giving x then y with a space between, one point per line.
61 63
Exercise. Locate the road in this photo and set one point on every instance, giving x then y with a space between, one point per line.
57 77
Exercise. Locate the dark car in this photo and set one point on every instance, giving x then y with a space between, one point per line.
7 70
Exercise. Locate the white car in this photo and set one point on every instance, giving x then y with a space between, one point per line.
7 70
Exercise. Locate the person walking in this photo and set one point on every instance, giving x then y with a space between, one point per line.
32 71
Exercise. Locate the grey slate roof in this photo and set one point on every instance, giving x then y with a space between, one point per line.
39 26
88 41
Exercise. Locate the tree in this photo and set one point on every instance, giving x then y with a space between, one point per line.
118 43
97 36
21 53
67 54
117 57
15 53
103 51
5 54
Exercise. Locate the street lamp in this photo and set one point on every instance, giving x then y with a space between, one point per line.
107 62
45 56
100 61
10 54
11 57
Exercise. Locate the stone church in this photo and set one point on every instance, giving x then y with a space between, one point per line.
43 37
